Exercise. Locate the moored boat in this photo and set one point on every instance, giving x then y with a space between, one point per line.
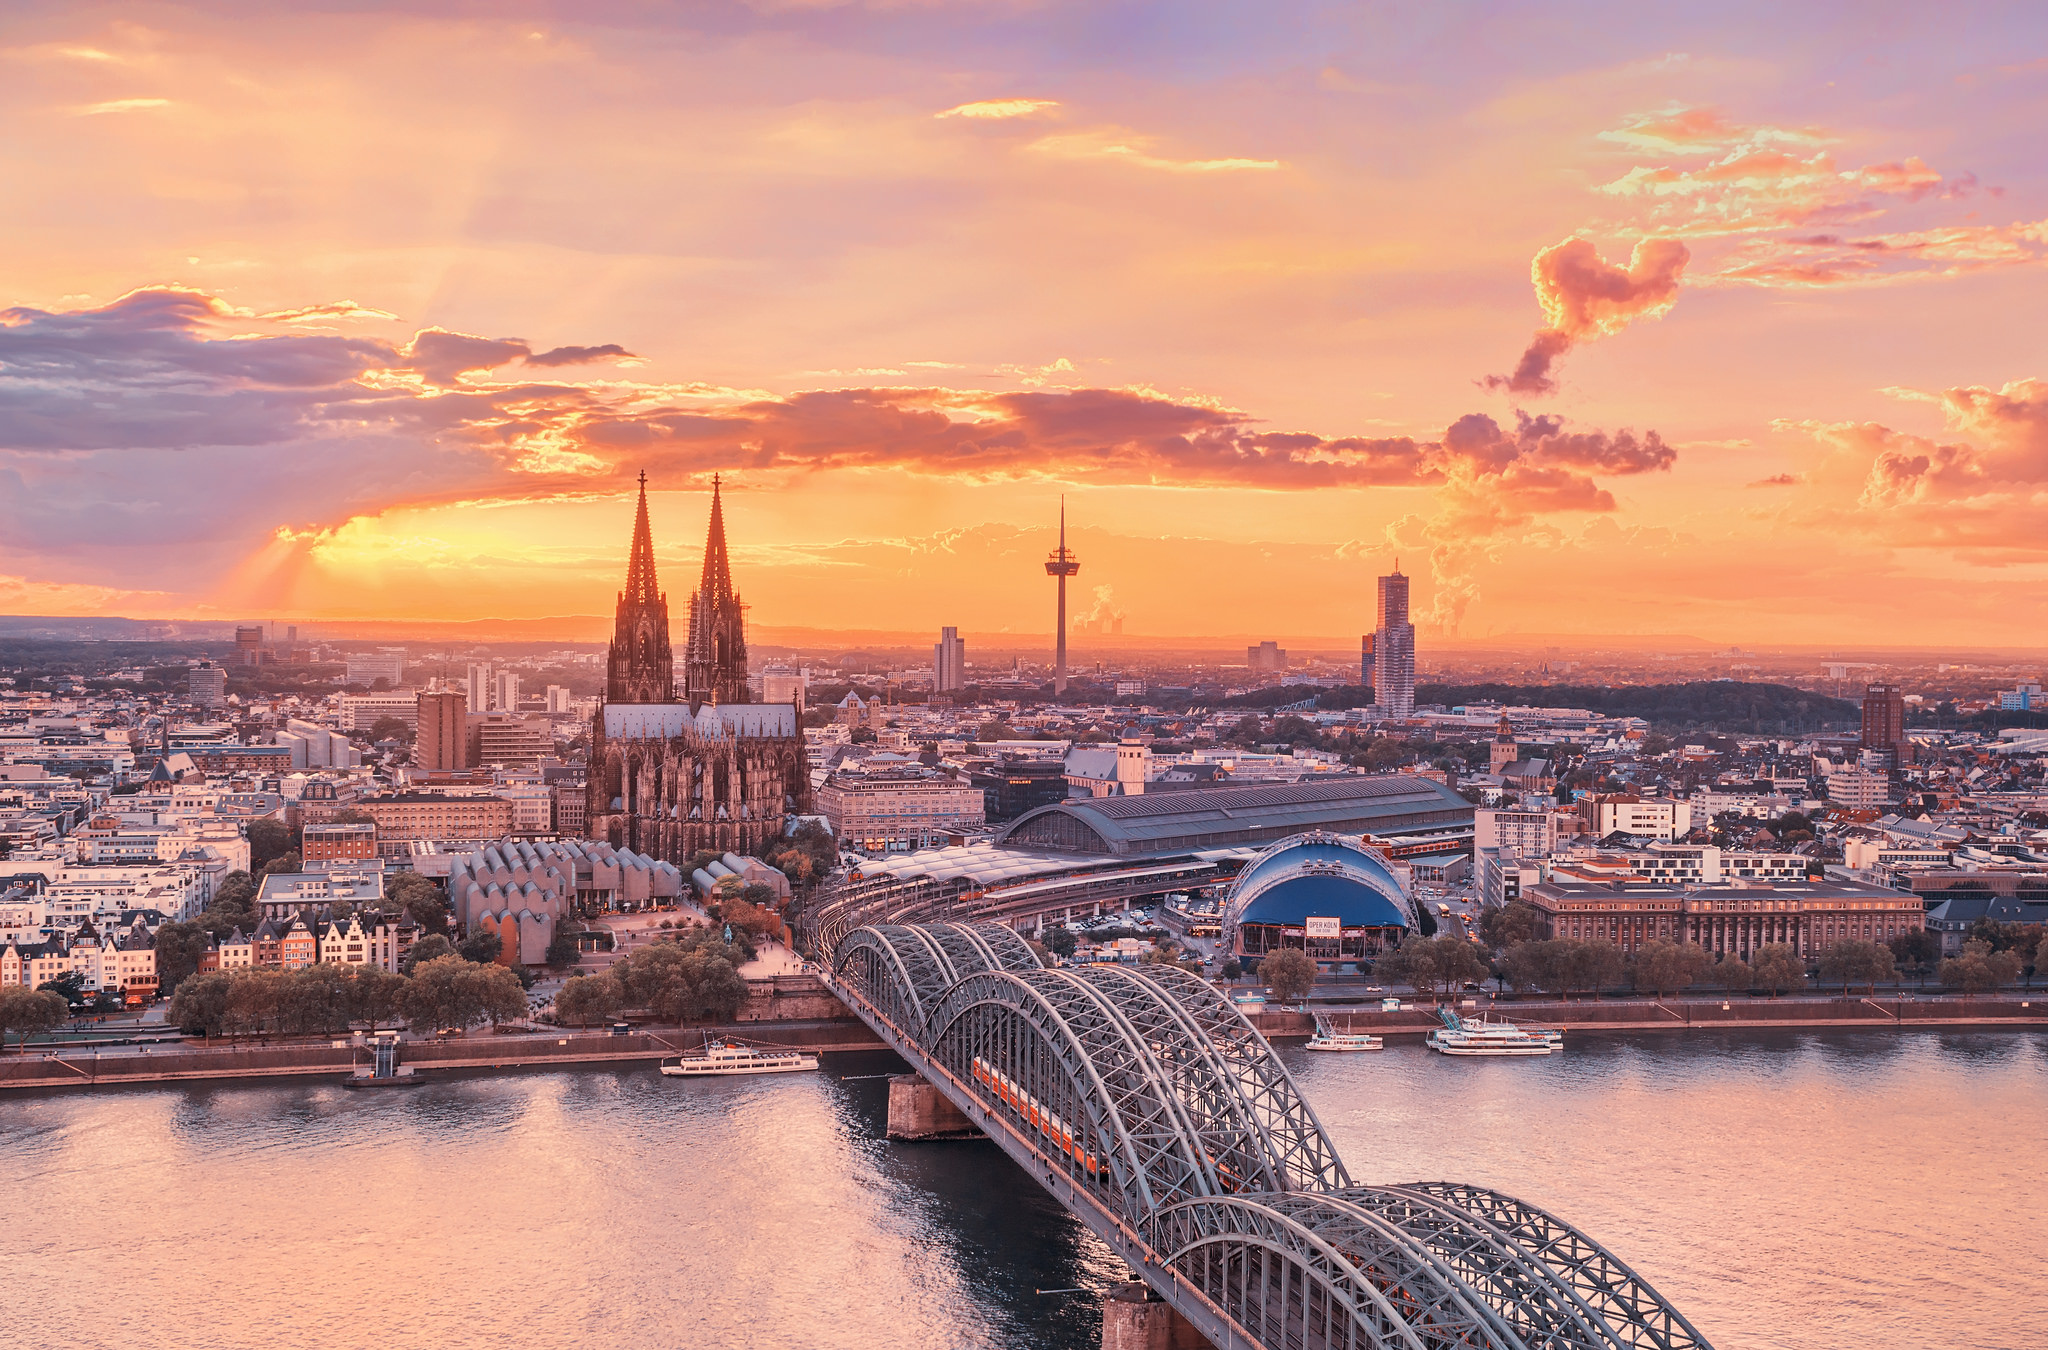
723 1057
1327 1037
1479 1036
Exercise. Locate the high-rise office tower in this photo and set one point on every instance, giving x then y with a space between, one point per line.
1884 720
1393 648
949 662
1062 564
481 688
208 684
443 741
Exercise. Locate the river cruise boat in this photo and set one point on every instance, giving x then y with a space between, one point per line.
723 1057
1478 1036
1327 1037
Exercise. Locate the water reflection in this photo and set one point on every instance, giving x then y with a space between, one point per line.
1864 1189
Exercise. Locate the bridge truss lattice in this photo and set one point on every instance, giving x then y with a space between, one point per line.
1159 1115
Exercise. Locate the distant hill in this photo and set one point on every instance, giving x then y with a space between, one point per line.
1701 705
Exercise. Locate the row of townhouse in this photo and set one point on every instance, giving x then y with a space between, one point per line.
121 961
295 943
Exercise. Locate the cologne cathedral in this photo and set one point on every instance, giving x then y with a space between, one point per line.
675 770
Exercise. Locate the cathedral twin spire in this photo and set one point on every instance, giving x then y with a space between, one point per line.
641 667
715 655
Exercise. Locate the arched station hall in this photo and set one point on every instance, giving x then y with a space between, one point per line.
1332 896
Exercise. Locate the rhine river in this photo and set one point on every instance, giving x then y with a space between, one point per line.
1860 1190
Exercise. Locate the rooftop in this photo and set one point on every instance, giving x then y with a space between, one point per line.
1229 816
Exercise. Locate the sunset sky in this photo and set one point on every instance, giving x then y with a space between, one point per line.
1720 319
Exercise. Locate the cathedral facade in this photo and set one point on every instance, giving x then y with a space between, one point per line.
675 771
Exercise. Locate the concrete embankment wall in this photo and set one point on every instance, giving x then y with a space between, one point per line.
478 1050
791 998
1681 1015
799 1015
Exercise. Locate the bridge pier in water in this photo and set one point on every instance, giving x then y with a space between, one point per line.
1133 1318
917 1110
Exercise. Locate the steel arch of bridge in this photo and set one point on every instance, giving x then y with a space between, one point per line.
1161 1117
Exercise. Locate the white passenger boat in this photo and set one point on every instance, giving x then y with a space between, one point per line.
732 1057
1327 1037
1477 1036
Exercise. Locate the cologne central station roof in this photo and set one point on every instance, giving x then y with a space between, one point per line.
1388 805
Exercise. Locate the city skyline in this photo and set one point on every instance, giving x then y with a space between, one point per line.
1733 346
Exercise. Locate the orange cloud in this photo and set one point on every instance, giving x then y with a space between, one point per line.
1722 179
1987 492
1584 297
428 423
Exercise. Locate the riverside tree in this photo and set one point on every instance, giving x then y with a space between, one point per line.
1731 973
1979 970
1664 968
588 998
682 979
202 1004
1289 973
1858 962
1434 965
451 992
30 1012
1777 969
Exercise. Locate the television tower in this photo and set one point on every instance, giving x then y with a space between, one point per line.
1061 564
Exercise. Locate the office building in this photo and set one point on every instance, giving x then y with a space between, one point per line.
366 668
481 687
442 744
508 739
360 712
334 842
899 808
1625 813
557 698
505 692
1266 658
949 662
1884 721
404 819
208 685
1735 917
1393 649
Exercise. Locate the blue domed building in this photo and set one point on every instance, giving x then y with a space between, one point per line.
1326 894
